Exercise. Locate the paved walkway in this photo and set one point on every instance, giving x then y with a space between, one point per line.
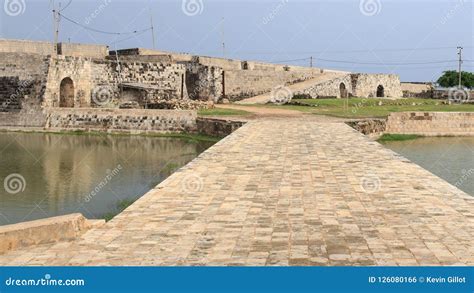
284 192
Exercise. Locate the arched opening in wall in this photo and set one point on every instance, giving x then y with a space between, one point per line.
380 91
342 91
66 93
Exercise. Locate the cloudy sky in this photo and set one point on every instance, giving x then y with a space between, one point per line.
416 39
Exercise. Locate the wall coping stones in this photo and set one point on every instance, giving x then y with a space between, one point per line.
431 123
44 231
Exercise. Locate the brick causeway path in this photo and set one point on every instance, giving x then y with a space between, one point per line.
284 192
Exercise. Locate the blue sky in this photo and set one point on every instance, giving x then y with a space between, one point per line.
338 34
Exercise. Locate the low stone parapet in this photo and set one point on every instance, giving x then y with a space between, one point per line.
22 119
371 127
431 123
131 120
51 230
217 127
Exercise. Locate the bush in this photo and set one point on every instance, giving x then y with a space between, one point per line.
450 78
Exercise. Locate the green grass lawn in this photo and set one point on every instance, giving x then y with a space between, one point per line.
369 107
222 112
397 137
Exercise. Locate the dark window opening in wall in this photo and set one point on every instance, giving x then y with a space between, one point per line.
343 90
223 85
380 91
66 93
245 65
182 86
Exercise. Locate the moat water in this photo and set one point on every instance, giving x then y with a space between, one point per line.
451 158
45 175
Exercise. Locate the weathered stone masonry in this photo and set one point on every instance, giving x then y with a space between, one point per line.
357 85
122 120
431 124
44 77
22 80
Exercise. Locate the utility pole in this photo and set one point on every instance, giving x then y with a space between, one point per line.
152 29
223 37
460 63
56 18
54 27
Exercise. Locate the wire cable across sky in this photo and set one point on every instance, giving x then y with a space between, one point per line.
371 63
102 31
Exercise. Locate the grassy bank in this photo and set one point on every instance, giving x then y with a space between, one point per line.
121 206
190 137
370 107
223 112
397 137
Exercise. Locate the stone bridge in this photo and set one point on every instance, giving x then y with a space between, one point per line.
283 192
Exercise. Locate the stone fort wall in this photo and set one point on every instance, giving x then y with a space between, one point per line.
35 79
93 78
22 80
48 48
24 46
83 50
104 120
241 84
166 79
431 124
366 85
125 120
217 78
356 85
141 77
203 82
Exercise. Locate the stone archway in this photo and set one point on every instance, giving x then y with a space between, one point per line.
66 93
343 91
380 91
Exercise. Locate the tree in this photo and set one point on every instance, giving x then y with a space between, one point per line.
450 78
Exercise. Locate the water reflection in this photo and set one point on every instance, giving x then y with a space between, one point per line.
84 173
451 158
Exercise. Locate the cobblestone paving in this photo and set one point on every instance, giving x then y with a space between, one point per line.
284 192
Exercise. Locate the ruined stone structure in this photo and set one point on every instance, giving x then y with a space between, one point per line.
417 90
39 75
357 85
